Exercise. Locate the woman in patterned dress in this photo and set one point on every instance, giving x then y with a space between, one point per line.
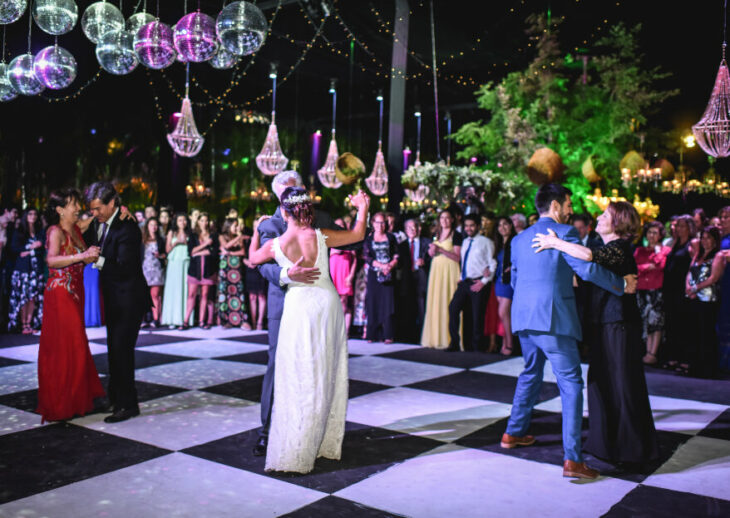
153 265
231 297
67 378
26 283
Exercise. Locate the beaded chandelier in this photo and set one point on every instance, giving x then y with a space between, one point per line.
377 182
713 130
271 161
185 139
327 174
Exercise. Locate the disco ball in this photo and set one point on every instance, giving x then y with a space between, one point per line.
223 59
11 10
55 67
195 37
154 46
99 18
115 52
55 16
137 20
7 92
241 28
22 76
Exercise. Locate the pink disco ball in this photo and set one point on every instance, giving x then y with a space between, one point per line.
154 45
195 37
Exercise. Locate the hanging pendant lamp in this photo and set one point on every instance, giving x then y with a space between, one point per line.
422 191
327 174
713 130
377 182
271 161
185 139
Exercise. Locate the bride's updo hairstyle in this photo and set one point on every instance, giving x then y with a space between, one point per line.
297 203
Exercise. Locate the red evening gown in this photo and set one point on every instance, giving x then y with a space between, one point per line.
67 377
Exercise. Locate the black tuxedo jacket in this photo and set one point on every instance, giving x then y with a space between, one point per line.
122 281
411 280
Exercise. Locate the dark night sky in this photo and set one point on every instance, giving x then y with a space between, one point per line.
685 41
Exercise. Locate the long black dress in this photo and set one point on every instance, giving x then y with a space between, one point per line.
621 426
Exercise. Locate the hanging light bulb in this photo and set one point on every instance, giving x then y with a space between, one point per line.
327 174
377 182
185 139
271 160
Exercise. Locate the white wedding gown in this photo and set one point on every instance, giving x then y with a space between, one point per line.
310 381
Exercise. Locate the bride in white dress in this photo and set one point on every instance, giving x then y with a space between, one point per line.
310 381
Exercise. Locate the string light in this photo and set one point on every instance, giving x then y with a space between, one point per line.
77 93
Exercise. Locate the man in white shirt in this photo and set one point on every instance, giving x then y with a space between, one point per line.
477 270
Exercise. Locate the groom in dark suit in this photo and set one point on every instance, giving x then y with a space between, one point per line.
125 291
545 318
278 279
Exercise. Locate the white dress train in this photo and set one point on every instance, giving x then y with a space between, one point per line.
310 380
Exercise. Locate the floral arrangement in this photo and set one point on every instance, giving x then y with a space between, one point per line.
445 180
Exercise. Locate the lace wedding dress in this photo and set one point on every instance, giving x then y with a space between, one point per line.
310 382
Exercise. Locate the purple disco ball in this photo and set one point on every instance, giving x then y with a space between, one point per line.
55 67
22 76
195 37
154 45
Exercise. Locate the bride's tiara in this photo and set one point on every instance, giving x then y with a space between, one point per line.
299 198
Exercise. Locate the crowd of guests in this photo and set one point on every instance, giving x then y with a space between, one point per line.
444 283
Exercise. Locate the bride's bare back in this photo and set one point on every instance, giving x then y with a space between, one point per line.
299 242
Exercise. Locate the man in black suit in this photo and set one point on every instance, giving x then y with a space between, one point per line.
125 291
583 223
414 263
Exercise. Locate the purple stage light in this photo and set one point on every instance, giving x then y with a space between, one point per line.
195 37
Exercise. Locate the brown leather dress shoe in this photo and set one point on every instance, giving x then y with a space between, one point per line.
578 470
510 441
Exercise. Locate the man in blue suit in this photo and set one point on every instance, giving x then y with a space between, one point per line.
545 318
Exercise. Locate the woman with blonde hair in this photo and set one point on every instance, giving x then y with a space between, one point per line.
442 281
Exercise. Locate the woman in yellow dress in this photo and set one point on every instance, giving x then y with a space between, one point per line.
442 281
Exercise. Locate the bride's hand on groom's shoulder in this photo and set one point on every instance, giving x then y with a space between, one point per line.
259 221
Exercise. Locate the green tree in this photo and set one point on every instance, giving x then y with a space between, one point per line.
582 107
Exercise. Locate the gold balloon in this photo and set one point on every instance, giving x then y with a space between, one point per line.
633 161
589 171
349 168
666 167
545 166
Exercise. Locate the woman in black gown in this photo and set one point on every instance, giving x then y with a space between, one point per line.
621 426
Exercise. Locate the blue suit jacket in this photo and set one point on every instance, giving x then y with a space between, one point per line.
544 300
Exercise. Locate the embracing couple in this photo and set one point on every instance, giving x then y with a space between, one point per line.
305 389
621 427
67 378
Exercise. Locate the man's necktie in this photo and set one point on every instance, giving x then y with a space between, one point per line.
413 257
466 258
103 233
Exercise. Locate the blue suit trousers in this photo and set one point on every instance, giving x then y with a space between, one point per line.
562 351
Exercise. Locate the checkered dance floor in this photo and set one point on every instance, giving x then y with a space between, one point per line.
422 440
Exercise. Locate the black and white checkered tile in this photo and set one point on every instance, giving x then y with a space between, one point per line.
422 440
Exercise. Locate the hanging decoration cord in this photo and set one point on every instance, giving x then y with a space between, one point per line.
273 97
435 83
2 58
724 30
334 109
30 27
187 79
380 130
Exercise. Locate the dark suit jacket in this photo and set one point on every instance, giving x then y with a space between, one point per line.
274 227
411 280
122 281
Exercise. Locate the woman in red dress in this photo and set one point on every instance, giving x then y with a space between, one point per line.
67 378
